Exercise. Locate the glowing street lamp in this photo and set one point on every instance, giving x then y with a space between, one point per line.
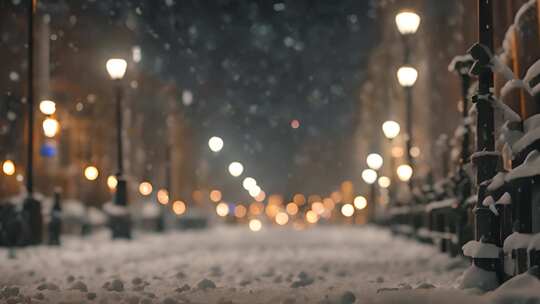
47 107
8 167
374 161
407 22
236 169
145 188
384 182
111 182
391 129
91 173
179 207
116 67
404 172
50 127
407 76
255 225
369 176
215 144
360 202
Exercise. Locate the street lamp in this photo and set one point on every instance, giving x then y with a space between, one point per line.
391 129
407 22
248 183
236 169
407 76
91 173
374 161
121 228
50 127
111 182
8 167
47 107
384 182
370 177
404 172
215 144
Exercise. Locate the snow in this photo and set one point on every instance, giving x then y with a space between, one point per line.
112 209
150 210
475 249
516 240
234 265
497 181
512 85
530 167
478 278
532 71
531 126
441 204
534 243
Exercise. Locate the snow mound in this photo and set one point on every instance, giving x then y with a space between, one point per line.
478 278
475 249
516 240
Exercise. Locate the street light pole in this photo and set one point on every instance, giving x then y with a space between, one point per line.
120 224
31 206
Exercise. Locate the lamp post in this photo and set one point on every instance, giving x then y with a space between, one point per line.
121 228
374 162
407 23
391 130
32 207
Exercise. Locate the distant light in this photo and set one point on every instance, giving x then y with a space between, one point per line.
404 172
312 217
240 211
163 196
282 218
291 208
391 129
236 169
261 196
248 183
256 208
384 182
407 76
8 167
407 22
360 202
47 107
255 225
299 199
347 210
295 124
329 204
116 67
374 161
50 127
336 197
222 209
91 173
215 196
397 152
215 143
415 151
145 188
318 207
179 207
112 182
369 176
136 53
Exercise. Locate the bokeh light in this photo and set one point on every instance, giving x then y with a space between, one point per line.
145 188
215 143
347 210
222 209
91 173
8 167
163 196
360 202
179 207
255 225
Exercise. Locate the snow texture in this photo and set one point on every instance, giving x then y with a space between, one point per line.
531 126
530 167
497 181
475 249
516 240
534 243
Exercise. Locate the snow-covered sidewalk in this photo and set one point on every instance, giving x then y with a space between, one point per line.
235 265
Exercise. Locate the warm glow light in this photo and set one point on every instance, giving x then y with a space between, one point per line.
299 199
116 67
407 76
50 127
271 211
47 107
215 143
91 173
256 208
261 196
404 172
236 169
374 161
291 208
360 203
295 124
255 225
407 22
248 183
391 129
215 196
282 218
112 182
347 210
384 182
240 211
145 188
397 152
222 209
329 204
415 151
312 217
179 207
318 207
254 191
163 196
8 167
369 176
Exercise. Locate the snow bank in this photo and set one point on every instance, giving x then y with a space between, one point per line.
475 249
534 243
478 278
516 240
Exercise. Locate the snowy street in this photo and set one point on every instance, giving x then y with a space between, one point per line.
326 265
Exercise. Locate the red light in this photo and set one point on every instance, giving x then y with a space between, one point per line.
295 124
